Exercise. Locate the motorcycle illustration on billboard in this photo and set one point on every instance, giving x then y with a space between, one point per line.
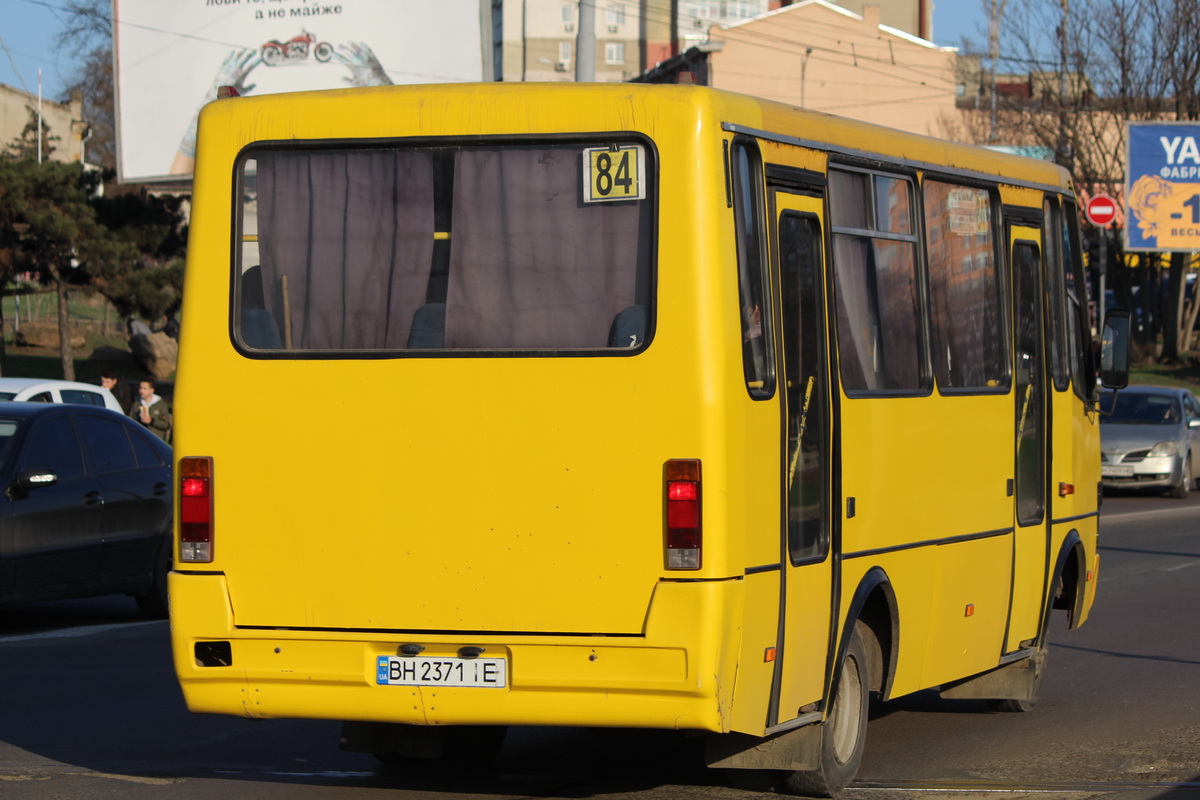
296 50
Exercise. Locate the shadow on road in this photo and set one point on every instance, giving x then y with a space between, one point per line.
90 686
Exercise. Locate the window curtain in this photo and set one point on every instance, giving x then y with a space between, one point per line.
531 264
353 234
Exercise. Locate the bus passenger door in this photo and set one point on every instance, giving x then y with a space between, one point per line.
1031 540
806 601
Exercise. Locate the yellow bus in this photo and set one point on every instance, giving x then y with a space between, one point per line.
623 406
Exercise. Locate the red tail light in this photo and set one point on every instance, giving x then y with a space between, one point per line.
682 490
195 509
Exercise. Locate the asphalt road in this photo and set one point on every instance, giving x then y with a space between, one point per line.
89 710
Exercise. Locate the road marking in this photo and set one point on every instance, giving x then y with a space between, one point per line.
1001 787
1139 514
71 633
52 771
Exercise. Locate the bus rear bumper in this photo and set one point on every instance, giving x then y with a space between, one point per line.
671 678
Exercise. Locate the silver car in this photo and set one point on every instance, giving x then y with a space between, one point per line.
1150 438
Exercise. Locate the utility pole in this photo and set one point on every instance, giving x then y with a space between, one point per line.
585 43
1063 156
39 116
995 14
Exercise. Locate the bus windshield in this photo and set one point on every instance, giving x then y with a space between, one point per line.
493 246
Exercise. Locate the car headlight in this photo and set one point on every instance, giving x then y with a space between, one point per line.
1162 449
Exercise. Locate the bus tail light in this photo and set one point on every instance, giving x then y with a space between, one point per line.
682 500
195 509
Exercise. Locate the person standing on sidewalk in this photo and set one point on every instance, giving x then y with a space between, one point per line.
151 410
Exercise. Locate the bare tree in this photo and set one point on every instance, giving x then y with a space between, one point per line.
86 37
1090 67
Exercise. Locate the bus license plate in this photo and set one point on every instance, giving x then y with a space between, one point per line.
487 673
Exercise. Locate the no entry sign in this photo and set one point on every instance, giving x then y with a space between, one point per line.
1101 210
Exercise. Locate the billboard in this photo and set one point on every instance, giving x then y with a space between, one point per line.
1162 188
171 55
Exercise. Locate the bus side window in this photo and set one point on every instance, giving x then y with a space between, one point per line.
757 361
1075 288
970 349
875 282
1058 250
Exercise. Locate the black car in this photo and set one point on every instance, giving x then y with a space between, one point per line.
86 506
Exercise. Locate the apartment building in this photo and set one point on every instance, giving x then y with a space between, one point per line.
633 36
540 36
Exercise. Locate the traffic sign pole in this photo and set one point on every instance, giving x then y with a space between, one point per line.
1103 268
1101 210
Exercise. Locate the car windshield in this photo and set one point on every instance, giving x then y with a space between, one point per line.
1132 408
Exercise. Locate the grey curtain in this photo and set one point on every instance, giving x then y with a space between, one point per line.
353 233
532 265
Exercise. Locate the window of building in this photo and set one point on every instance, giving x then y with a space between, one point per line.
614 53
615 15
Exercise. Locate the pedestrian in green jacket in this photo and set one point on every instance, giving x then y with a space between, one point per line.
151 410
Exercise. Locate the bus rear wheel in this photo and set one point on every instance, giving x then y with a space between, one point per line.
844 732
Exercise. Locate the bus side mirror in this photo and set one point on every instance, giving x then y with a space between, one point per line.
1114 350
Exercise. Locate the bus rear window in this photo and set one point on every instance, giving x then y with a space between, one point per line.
507 247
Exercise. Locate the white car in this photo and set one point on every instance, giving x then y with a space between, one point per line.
37 390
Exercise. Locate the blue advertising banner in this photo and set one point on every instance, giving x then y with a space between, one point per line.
1162 187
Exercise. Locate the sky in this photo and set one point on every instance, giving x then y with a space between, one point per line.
28 29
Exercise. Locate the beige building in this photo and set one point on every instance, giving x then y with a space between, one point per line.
819 55
64 120
912 16
868 64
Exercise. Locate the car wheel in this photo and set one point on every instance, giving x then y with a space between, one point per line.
844 732
1180 490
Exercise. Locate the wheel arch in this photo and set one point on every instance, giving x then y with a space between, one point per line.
1066 589
873 604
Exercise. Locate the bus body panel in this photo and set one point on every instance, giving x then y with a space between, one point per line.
971 476
481 530
669 678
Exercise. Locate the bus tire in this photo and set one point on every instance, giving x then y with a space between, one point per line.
1010 705
844 732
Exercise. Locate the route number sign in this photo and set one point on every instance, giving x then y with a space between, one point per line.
614 173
